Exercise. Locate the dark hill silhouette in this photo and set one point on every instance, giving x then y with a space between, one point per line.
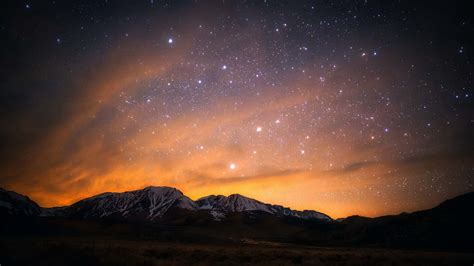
167 214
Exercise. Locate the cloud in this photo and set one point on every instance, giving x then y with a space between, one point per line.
357 166
199 179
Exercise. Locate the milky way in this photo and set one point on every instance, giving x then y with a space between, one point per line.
346 107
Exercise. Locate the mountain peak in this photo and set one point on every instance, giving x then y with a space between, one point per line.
231 203
237 196
158 188
149 203
13 203
161 189
153 202
238 203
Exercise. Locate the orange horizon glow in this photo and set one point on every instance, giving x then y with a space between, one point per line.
295 143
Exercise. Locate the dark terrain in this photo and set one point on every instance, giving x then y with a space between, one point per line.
31 235
90 251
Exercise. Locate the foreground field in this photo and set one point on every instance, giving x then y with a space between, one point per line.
121 252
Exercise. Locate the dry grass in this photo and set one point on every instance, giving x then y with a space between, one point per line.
120 252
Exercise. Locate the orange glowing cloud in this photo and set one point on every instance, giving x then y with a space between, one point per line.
103 143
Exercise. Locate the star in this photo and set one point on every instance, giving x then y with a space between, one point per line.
193 92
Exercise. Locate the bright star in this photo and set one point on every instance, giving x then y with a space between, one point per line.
259 129
170 41
232 166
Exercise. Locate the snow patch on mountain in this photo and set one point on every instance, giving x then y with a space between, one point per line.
239 203
149 203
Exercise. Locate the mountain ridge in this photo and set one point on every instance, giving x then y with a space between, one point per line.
153 202
45 210
165 213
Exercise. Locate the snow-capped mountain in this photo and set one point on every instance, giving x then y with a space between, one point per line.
153 203
12 203
232 203
220 205
164 213
148 204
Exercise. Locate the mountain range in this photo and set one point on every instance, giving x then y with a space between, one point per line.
165 213
148 205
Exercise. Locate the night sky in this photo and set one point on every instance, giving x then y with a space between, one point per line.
345 107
